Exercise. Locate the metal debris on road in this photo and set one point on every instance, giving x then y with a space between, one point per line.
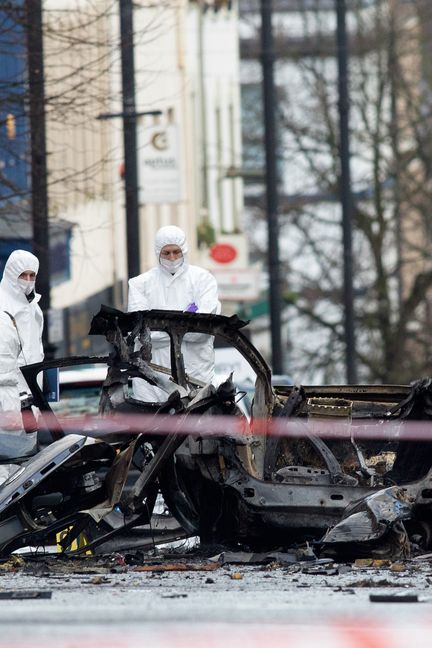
25 594
393 598
176 567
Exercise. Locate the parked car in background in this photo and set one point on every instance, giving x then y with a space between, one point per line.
79 390
80 386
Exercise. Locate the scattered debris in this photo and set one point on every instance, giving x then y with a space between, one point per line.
248 558
236 576
25 594
167 567
370 582
320 571
99 580
393 598
397 567
12 564
370 562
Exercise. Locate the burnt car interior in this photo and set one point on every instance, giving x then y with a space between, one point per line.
309 465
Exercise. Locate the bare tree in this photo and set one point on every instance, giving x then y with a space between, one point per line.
81 60
391 97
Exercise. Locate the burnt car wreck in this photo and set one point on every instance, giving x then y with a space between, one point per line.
331 480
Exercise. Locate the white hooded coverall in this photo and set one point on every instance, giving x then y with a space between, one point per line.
28 315
10 403
159 289
14 441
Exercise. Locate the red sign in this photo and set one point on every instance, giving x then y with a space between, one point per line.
223 252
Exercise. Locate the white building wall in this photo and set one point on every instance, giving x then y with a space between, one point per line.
221 78
162 83
191 75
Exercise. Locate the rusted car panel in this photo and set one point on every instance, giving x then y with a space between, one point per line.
342 492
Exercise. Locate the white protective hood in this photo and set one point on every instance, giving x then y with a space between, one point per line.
170 235
18 262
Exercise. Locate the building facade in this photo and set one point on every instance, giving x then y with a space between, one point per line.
186 68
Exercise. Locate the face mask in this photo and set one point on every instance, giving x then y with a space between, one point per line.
172 266
26 286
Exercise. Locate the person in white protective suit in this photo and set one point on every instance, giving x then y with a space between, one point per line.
174 284
19 299
14 441
10 402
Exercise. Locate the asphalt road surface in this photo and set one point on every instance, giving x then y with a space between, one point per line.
108 603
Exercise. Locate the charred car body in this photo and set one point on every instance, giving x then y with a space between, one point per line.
309 465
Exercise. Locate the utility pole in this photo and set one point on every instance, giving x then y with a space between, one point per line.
346 195
269 100
129 116
130 137
39 201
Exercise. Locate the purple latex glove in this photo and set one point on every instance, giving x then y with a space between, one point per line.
192 308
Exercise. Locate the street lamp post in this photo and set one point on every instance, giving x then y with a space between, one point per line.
267 58
346 195
129 137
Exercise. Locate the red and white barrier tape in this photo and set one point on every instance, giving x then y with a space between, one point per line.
235 426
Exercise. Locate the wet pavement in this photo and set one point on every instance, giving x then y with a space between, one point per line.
196 602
